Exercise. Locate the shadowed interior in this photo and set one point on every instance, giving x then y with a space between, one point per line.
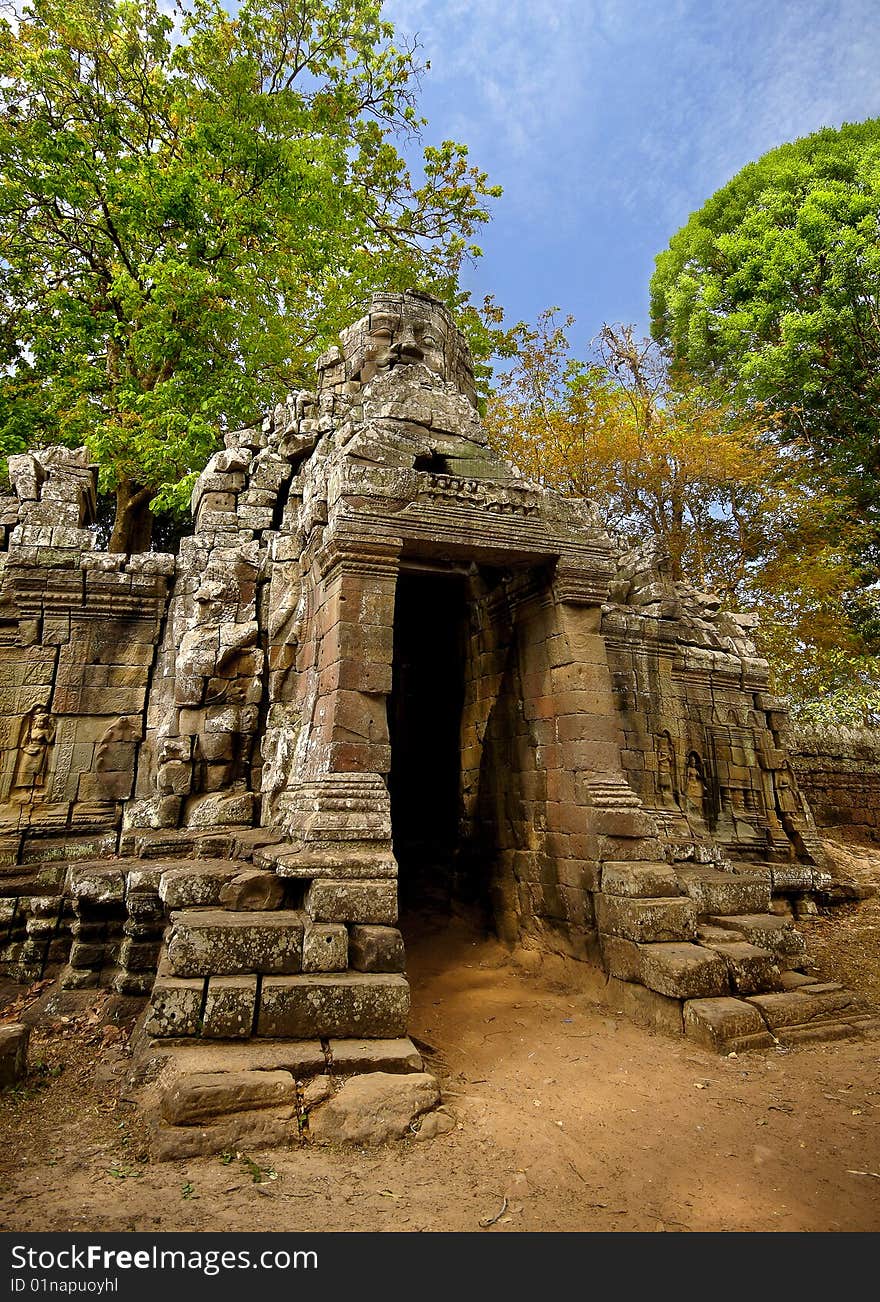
430 626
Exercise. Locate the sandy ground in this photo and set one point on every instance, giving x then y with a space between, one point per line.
568 1118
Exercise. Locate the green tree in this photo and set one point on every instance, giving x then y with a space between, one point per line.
189 212
772 291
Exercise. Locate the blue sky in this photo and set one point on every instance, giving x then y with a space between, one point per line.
608 122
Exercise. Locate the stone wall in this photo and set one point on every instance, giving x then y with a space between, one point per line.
703 737
838 770
196 770
78 637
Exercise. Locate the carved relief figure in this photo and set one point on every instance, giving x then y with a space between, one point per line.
38 734
115 757
695 786
787 797
218 668
666 770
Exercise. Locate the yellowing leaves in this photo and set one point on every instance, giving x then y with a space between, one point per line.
656 456
739 511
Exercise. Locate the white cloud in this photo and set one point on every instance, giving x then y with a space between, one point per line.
629 103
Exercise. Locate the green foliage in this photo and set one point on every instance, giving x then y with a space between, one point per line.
845 691
188 216
772 292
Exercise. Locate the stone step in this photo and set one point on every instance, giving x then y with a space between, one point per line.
822 1011
751 969
188 884
197 1097
345 1005
683 971
646 920
717 892
819 1012
101 881
794 980
767 931
648 880
24 882
218 942
303 1058
340 1007
336 862
725 1025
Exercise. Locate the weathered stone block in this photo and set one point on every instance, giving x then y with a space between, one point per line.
301 1058
339 863
725 1025
645 1007
175 1007
193 885
716 892
767 931
325 947
348 1005
794 980
96 884
750 968
652 880
13 1052
374 1108
144 906
683 971
201 1096
227 944
352 901
229 1007
220 807
646 920
577 874
621 958
137 955
826 1001
376 949
374 1055
252 890
612 849
792 877
216 501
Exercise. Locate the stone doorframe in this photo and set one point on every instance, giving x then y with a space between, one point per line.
336 813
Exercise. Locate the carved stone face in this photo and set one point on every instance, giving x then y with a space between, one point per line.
214 601
405 330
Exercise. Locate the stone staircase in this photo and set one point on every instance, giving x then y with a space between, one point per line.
317 1003
227 924
239 961
715 961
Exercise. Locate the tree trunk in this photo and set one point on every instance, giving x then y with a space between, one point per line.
677 536
133 526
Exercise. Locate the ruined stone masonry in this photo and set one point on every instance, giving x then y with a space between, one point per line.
383 668
838 770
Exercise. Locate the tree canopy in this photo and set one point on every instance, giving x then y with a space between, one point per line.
664 456
772 291
189 211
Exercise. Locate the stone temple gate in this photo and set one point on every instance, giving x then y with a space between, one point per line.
382 654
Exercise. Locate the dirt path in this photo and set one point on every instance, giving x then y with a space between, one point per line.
568 1118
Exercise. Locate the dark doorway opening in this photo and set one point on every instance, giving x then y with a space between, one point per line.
424 717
